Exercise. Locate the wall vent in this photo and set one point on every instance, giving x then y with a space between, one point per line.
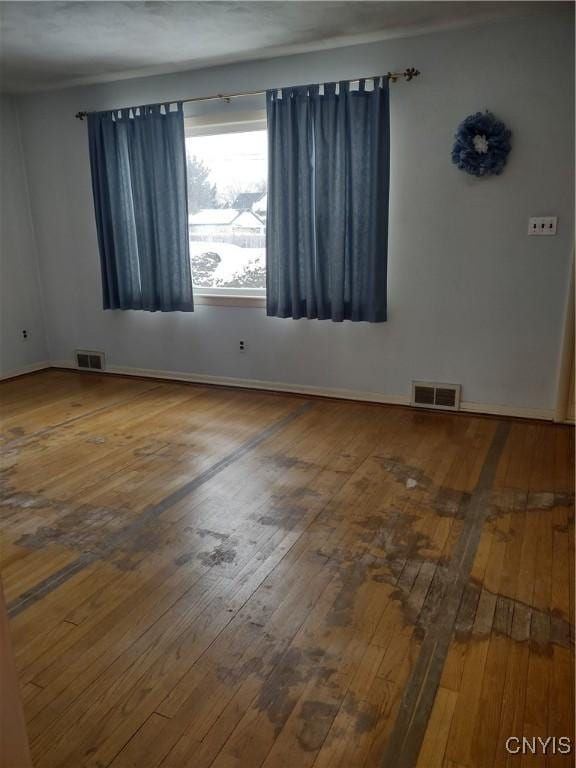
89 361
429 395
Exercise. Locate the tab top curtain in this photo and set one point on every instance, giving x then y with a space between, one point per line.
327 227
138 164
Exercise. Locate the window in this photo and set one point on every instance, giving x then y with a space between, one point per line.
227 172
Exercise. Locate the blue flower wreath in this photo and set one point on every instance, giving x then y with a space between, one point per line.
482 145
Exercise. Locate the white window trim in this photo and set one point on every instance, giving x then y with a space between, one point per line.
230 301
236 297
235 122
206 125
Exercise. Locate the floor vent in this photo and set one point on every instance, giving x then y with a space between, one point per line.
89 361
443 396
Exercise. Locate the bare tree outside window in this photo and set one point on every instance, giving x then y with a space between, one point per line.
227 209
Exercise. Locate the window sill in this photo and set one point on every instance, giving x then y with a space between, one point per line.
230 301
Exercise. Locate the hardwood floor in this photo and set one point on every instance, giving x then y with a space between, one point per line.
205 577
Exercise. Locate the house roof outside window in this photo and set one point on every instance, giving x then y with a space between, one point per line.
224 217
245 200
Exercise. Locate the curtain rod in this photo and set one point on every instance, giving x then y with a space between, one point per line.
408 74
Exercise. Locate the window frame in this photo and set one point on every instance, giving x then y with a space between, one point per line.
212 125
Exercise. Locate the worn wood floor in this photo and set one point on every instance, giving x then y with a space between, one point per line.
200 577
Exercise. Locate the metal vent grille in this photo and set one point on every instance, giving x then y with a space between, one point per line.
443 396
424 395
90 361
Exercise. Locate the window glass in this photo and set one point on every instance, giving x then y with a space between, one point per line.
227 210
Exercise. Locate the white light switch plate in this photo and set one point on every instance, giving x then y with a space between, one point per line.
542 225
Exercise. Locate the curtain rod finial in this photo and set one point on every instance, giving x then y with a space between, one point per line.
80 115
409 74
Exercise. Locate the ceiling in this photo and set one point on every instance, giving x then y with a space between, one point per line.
58 44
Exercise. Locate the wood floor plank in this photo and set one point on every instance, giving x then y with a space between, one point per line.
271 614
434 748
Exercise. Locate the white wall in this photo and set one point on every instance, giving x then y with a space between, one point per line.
472 299
20 298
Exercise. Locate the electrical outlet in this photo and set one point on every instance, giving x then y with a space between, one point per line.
242 345
25 334
542 225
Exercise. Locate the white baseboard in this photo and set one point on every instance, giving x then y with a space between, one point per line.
299 389
270 386
27 369
490 409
